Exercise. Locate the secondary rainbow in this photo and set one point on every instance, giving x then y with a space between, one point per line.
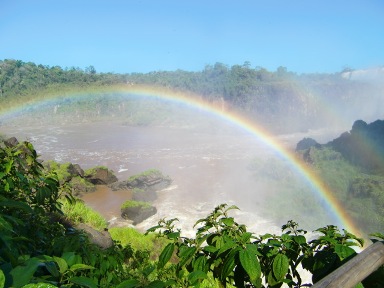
196 101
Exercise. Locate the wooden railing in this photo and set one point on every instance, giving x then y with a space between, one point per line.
355 270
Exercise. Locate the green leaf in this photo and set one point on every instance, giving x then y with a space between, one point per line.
166 254
250 264
228 265
156 284
246 237
228 221
173 235
299 239
195 276
131 283
2 279
16 204
76 267
186 254
4 225
8 166
200 263
70 258
63 266
280 266
22 274
83 281
210 249
233 207
52 268
39 285
344 251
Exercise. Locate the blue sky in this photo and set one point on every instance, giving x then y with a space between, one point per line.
141 36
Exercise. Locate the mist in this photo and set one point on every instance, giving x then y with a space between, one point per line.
209 160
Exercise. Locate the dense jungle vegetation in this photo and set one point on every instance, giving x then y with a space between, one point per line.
257 92
39 243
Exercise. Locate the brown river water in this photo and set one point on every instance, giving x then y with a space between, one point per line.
208 166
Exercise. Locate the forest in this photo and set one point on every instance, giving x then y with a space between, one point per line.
263 95
40 246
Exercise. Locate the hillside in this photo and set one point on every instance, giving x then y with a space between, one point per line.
352 165
281 100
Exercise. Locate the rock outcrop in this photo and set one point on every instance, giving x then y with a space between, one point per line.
144 185
137 211
307 143
100 176
102 239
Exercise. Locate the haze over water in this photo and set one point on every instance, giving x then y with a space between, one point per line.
209 165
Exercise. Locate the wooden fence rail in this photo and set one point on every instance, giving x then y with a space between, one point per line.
356 269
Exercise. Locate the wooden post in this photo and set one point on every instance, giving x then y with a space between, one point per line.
355 270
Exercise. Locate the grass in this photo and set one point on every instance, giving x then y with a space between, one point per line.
145 173
131 204
79 212
93 170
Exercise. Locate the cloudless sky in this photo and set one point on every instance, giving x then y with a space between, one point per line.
125 36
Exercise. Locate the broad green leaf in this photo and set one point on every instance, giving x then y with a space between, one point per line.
4 225
228 265
344 251
229 244
210 249
52 268
173 235
22 274
250 264
132 283
186 255
63 266
8 166
2 279
272 282
166 254
83 281
300 239
246 237
280 266
195 276
200 263
71 258
228 221
233 207
17 204
76 267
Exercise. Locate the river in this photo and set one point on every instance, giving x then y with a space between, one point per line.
207 166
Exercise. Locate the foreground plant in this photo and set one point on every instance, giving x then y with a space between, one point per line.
226 251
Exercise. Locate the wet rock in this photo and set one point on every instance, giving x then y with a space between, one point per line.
100 176
144 185
81 186
76 170
11 142
102 239
137 211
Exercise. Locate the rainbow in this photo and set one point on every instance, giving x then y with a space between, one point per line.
312 179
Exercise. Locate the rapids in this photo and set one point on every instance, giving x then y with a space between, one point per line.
208 166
